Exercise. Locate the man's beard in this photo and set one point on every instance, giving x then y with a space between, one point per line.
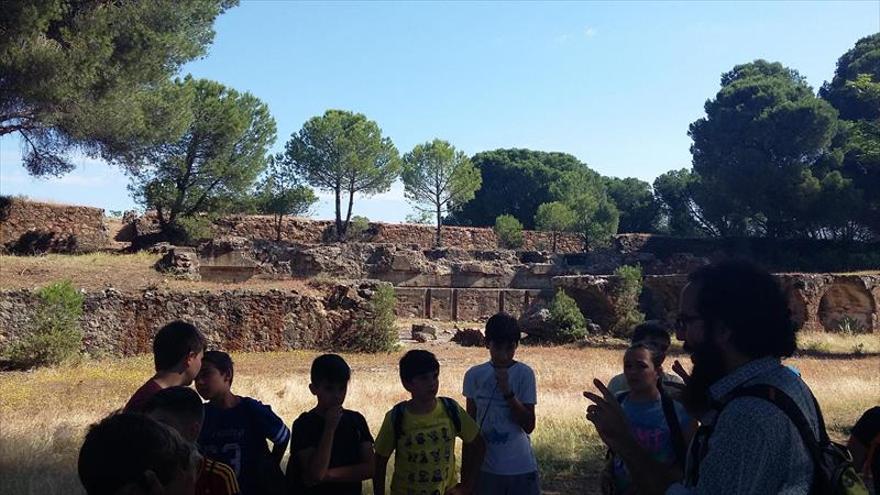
708 369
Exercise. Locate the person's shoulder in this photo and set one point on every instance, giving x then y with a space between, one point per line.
756 415
478 369
352 414
523 368
306 418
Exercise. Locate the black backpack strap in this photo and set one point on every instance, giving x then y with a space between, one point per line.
452 411
672 422
397 420
788 406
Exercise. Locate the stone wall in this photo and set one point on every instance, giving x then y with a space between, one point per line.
818 302
31 227
307 231
120 323
465 304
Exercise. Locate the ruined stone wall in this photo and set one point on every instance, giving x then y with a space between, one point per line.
305 231
466 304
33 227
120 323
820 302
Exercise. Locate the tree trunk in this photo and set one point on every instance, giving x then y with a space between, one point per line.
437 240
348 215
554 242
278 222
340 232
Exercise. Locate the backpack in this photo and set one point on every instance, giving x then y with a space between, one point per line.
675 433
449 405
833 471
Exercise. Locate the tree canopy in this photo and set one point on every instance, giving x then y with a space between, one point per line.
555 217
514 182
95 76
280 194
214 162
634 199
344 153
758 150
437 177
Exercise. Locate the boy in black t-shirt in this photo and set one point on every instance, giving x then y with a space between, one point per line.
331 448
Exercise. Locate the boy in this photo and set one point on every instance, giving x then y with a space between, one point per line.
651 332
181 408
236 429
421 432
177 354
331 448
132 454
501 397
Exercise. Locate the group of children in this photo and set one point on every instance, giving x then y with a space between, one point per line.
167 441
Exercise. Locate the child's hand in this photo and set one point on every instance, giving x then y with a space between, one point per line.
503 379
332 417
458 489
680 371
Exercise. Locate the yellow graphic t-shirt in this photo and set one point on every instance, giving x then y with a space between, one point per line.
424 462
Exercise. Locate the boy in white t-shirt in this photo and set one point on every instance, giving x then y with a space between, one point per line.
501 397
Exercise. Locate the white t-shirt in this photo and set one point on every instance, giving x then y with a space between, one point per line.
508 448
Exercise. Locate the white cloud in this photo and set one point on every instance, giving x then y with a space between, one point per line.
590 32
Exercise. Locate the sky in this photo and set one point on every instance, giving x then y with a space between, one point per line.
614 84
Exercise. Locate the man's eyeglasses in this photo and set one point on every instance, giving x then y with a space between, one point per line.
684 320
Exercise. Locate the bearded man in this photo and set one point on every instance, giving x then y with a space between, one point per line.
735 323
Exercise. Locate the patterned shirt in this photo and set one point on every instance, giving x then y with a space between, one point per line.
755 448
216 478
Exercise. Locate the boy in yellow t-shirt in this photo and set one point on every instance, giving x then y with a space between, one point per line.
421 432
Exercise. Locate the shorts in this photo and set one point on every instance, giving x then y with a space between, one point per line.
508 484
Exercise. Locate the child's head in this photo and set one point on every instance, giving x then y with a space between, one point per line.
180 408
654 332
178 347
642 366
215 378
330 374
502 338
420 373
128 453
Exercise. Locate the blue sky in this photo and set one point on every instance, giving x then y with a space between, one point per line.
615 84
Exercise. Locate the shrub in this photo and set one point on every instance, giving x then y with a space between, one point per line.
189 231
55 334
509 231
850 326
377 333
357 227
569 322
626 300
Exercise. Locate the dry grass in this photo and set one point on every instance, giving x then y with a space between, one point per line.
126 272
43 413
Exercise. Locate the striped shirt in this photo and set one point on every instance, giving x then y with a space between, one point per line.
216 478
755 448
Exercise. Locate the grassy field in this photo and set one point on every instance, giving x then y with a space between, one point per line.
43 413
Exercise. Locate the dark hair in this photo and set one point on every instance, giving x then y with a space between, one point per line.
747 300
658 355
221 361
180 401
417 362
174 342
502 328
330 368
652 329
117 450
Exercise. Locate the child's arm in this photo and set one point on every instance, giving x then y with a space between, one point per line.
381 464
278 450
355 472
472 454
317 460
523 414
